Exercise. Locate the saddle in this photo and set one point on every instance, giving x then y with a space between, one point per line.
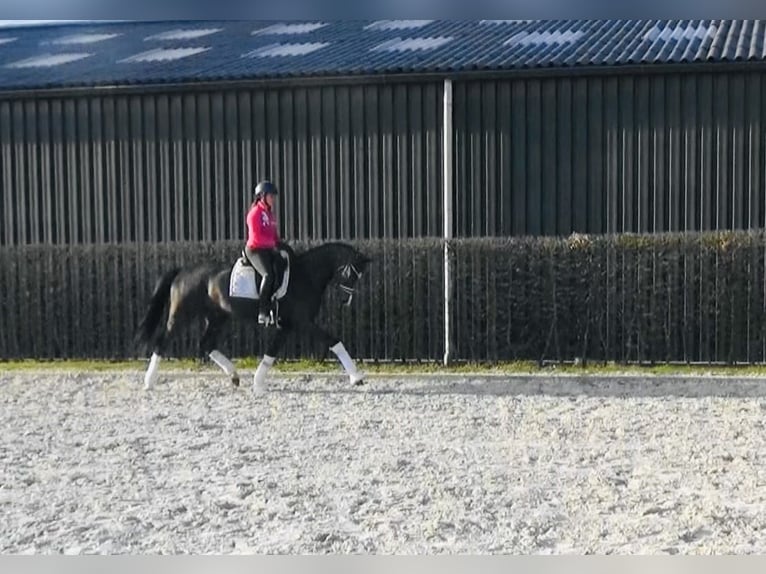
245 281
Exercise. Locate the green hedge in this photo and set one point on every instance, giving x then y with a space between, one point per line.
673 297
646 298
86 301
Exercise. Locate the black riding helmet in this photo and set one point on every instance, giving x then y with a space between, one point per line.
263 188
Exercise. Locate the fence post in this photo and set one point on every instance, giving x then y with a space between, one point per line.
447 153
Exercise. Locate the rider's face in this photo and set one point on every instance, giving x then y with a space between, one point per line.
270 198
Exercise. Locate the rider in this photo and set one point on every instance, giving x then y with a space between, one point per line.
262 242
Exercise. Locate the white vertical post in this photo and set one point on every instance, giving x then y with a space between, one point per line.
447 180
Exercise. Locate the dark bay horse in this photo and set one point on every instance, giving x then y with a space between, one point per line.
203 291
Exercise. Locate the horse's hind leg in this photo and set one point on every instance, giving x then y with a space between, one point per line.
161 343
214 323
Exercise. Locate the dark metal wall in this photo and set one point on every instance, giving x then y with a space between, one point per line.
598 154
353 162
543 155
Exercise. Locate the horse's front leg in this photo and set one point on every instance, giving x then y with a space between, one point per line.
336 346
272 350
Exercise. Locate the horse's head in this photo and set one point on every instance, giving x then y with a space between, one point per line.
335 263
350 271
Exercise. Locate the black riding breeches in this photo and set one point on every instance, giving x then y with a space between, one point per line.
265 263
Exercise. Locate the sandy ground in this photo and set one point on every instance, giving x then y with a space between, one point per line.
95 464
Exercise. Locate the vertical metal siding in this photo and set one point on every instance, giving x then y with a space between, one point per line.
344 208
241 195
402 193
187 210
21 203
549 169
673 118
537 164
582 194
414 194
8 195
163 186
563 183
302 175
612 155
201 211
517 158
136 202
643 196
314 228
595 160
754 136
58 173
352 161
232 193
373 180
86 169
111 188
690 199
46 216
124 228
625 198
327 204
532 156
361 201
660 152
503 167
739 199
386 167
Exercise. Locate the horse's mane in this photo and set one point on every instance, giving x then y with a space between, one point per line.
319 249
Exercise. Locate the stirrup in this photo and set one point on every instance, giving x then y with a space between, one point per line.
270 319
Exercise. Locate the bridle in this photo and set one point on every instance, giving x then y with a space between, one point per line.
345 271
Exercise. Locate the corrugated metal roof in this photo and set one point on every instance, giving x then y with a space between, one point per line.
180 51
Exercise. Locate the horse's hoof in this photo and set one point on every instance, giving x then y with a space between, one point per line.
357 379
235 380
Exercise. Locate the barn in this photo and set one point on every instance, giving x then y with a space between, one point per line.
138 134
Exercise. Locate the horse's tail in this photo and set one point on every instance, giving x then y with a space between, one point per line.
160 297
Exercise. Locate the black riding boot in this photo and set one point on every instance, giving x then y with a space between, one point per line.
264 301
263 262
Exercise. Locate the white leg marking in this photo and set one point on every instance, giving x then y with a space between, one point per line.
226 365
151 373
259 379
354 374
